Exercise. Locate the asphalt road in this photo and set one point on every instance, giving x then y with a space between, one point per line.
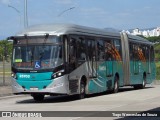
127 99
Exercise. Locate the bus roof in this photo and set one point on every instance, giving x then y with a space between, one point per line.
138 39
60 29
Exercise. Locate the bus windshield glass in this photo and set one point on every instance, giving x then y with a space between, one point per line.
40 56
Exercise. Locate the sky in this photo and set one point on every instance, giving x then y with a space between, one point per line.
117 14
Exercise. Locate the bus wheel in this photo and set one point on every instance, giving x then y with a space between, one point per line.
82 90
38 97
143 85
116 86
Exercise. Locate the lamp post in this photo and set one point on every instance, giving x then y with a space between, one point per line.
15 9
25 13
3 57
66 11
3 70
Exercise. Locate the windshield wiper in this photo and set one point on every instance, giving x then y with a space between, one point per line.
46 38
26 37
32 51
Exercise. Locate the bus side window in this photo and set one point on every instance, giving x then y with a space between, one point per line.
152 54
91 50
72 54
117 50
135 50
81 50
108 50
147 53
100 50
131 51
143 51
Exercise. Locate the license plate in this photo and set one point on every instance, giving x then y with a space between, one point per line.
34 88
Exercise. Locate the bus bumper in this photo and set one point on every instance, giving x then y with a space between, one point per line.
59 85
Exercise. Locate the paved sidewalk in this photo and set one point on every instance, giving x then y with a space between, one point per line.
5 91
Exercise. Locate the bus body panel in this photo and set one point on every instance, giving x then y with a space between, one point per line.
75 77
99 75
103 82
37 80
141 69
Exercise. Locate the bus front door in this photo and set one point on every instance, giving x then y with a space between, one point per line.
92 64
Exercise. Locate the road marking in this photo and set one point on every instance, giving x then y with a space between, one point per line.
76 118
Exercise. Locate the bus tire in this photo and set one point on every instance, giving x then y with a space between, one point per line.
116 85
82 90
38 97
143 85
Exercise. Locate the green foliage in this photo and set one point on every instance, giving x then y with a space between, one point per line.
5 49
154 39
157 51
157 72
157 46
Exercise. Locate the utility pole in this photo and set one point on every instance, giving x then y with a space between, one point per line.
25 14
3 70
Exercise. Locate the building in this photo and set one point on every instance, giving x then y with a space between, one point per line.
146 33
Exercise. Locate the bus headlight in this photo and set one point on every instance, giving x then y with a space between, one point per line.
57 74
13 75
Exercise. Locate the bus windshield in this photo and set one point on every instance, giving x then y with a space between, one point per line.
37 56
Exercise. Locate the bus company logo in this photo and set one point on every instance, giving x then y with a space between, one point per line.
24 76
6 114
33 77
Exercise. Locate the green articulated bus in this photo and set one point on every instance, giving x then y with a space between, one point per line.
67 59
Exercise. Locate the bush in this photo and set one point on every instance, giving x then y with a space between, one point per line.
158 73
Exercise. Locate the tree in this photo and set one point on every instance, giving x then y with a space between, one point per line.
154 39
5 49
